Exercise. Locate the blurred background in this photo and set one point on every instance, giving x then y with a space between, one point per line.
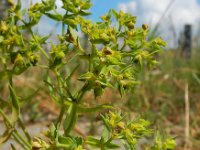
169 95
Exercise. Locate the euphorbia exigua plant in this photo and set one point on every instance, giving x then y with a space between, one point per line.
118 52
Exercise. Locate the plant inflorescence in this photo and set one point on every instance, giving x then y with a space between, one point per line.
117 52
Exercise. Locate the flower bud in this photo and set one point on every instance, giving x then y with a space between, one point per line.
3 26
60 54
19 60
105 18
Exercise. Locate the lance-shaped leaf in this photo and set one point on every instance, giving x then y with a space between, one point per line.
87 76
70 119
93 109
6 135
67 142
15 105
3 103
18 6
68 78
112 146
44 39
93 141
56 17
84 13
106 123
13 147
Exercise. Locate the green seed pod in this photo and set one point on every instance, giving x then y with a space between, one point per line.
107 51
145 27
131 25
97 84
11 3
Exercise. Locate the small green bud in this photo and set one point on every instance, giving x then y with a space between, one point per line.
104 36
19 61
33 58
61 38
121 14
85 5
3 26
105 18
121 125
169 144
61 54
160 41
131 33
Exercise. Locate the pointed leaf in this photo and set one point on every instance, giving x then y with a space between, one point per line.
15 105
13 147
112 146
18 6
93 109
70 119
6 135
93 141
56 17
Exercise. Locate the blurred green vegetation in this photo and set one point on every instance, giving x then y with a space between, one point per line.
160 96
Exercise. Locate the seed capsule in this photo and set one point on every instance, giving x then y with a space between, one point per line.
107 51
145 26
130 25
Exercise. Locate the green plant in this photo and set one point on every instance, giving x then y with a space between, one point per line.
110 65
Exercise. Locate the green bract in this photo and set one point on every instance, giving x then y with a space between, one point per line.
116 53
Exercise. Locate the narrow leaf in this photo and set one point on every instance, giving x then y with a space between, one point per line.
56 17
6 135
70 119
93 109
15 105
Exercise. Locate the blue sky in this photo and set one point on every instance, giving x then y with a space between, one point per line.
180 13
100 7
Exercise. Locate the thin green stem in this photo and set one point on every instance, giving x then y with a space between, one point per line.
17 134
81 92
109 140
63 28
19 142
22 139
24 130
62 111
40 48
60 81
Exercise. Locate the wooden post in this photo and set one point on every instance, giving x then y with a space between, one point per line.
187 43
